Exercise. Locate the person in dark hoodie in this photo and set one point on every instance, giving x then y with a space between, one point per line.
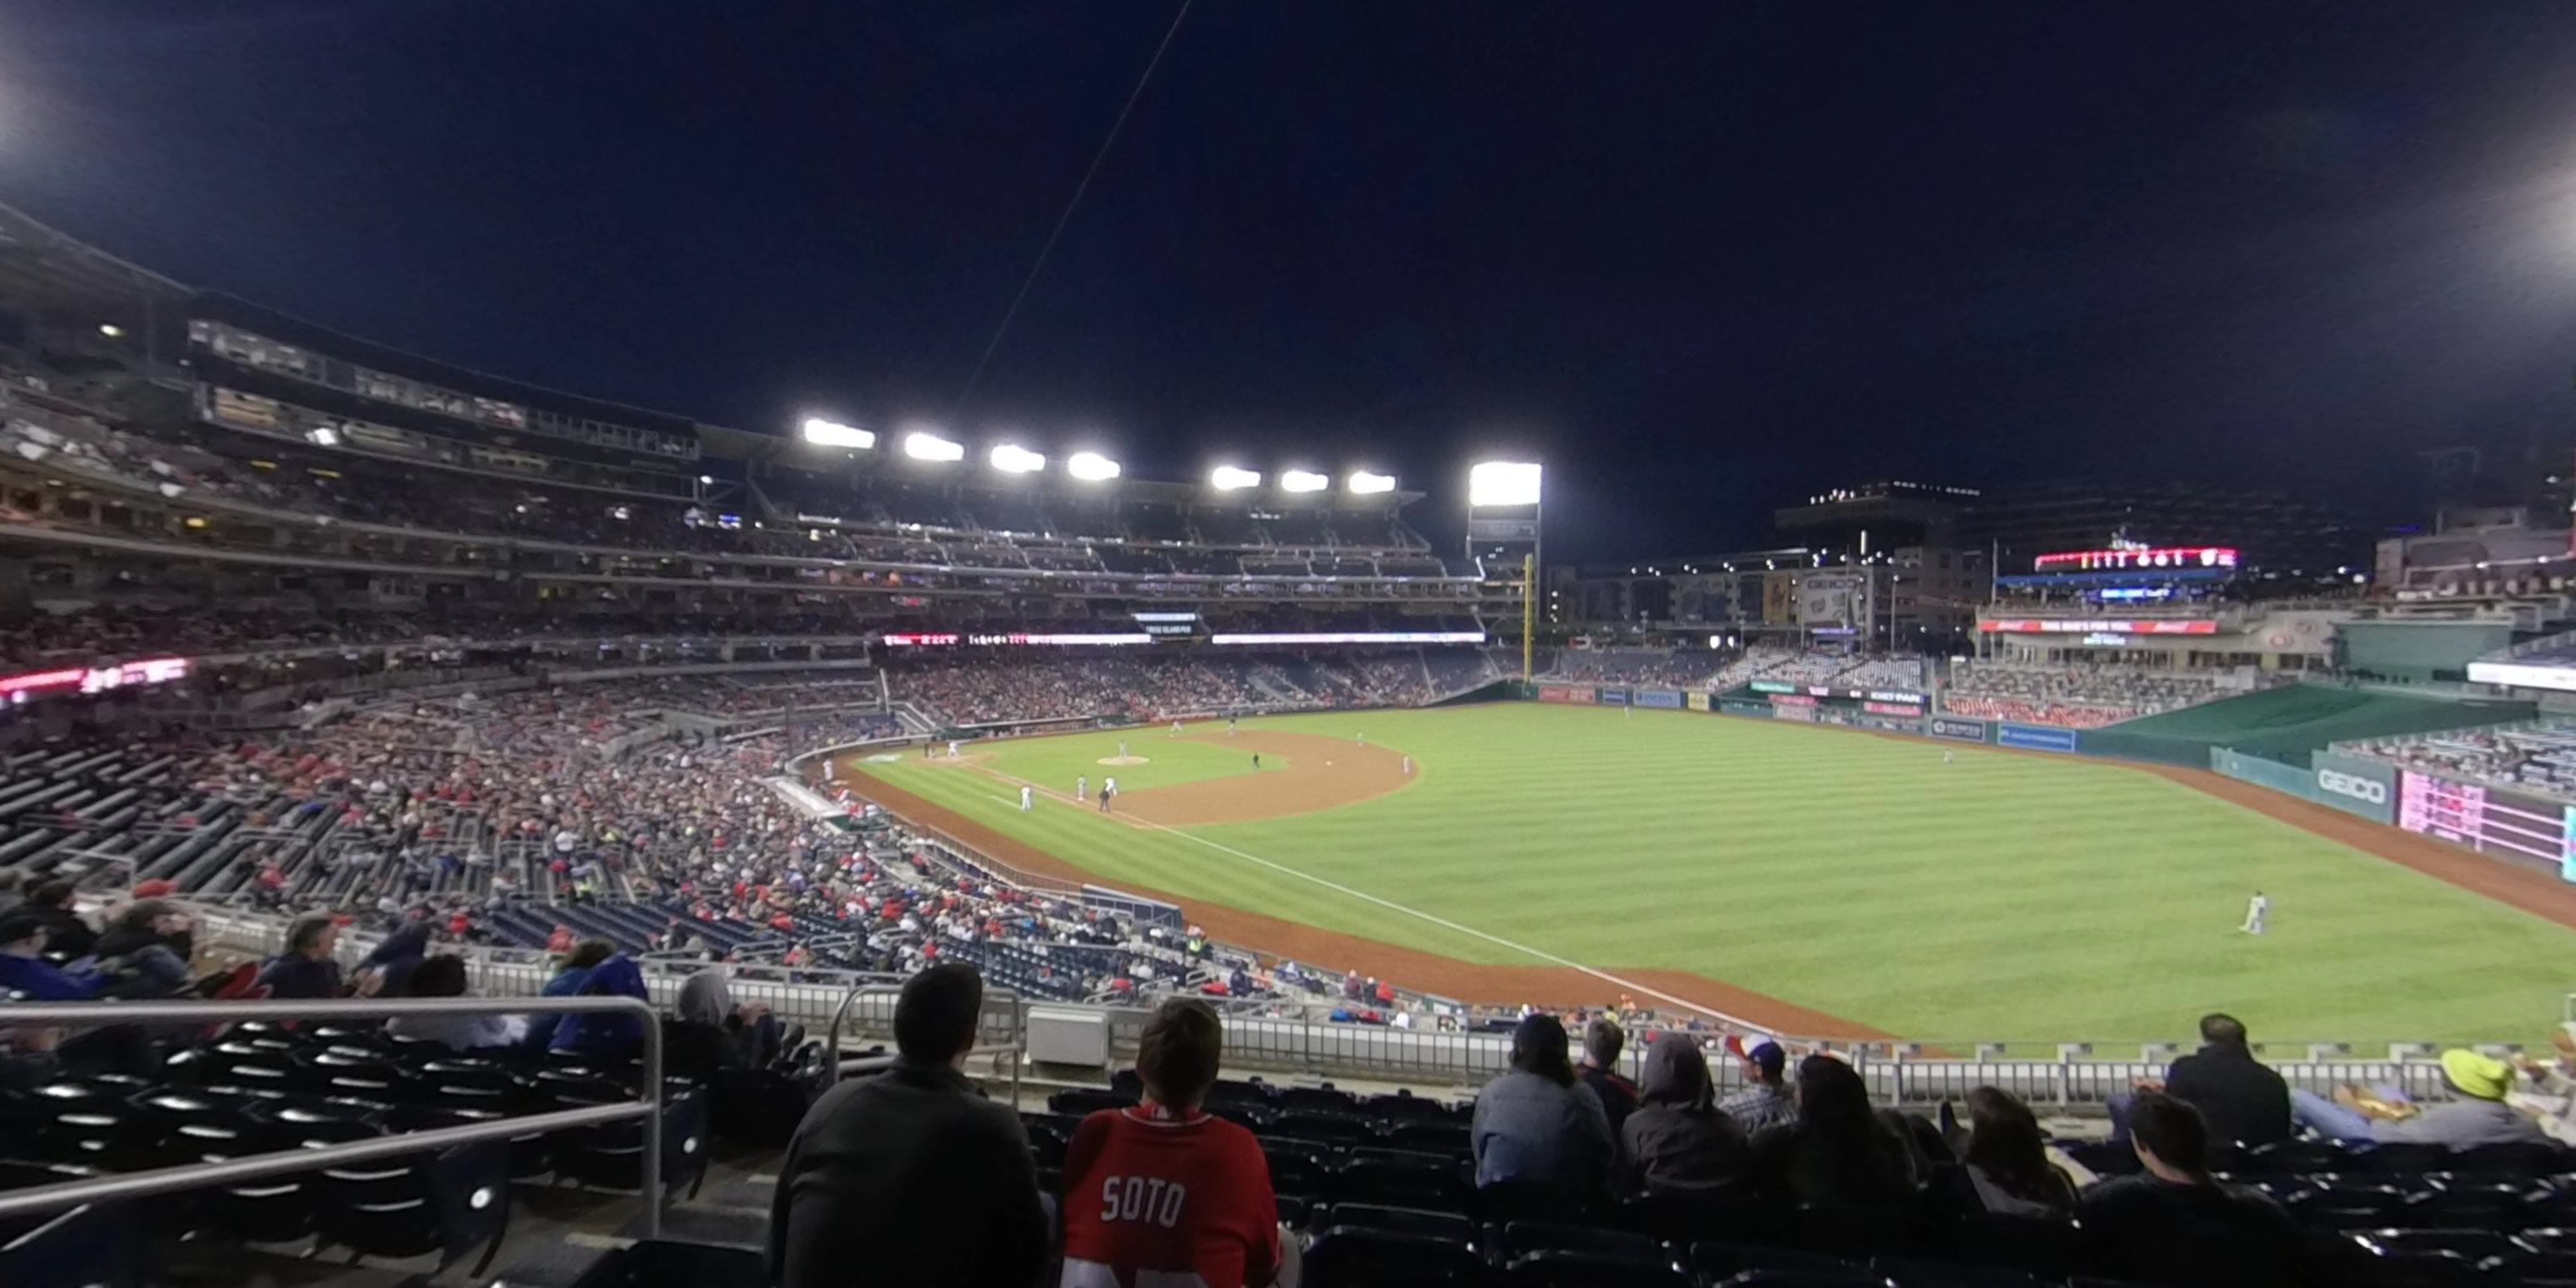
66 934
1677 1139
306 970
567 980
603 1034
398 956
135 956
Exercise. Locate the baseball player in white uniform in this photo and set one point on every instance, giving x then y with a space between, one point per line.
1082 787
2255 908
1027 795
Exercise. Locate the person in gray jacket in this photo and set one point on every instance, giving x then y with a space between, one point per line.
2479 1115
1538 1126
1678 1140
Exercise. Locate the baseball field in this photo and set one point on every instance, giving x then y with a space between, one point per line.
1816 880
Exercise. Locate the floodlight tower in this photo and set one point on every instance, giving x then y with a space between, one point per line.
1503 534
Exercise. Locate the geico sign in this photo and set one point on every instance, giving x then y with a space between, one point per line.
2367 790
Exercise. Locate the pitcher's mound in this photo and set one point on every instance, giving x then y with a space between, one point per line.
1123 760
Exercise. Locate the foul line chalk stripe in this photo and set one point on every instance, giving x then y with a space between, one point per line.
1446 924
1392 906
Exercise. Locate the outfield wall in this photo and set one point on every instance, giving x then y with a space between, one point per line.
2500 822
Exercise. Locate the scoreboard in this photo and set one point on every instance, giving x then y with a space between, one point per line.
2489 820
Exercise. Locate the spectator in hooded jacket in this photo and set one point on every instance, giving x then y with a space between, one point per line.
135 954
1538 1126
605 1034
65 931
568 979
1678 1140
709 1031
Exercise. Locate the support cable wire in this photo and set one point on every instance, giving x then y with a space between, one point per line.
1061 220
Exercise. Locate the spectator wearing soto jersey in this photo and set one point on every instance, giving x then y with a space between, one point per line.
1163 1189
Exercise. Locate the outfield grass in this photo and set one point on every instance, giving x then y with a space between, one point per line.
2003 897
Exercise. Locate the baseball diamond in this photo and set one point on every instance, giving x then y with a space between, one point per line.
1785 873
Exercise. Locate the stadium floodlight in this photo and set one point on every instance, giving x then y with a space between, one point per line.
1011 458
1303 481
922 446
1231 478
111 330
1091 467
832 433
1364 483
1503 483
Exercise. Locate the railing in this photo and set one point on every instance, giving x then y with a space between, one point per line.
165 1180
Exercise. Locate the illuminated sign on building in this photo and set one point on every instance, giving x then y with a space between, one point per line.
2098 626
2147 559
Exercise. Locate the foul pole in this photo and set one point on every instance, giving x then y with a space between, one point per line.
1529 609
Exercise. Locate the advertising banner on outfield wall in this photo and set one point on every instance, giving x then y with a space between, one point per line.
1610 697
1956 729
1785 712
1738 708
2035 737
1564 693
1666 699
1792 700
1891 709
2355 785
1695 701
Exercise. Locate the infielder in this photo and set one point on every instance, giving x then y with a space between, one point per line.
1229 726
1408 766
2254 910
1027 794
952 749
1082 787
1176 728
1122 754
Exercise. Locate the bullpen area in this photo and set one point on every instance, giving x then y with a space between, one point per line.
1810 879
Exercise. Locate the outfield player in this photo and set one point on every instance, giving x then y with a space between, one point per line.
1948 756
1163 1192
1176 728
2255 908
1027 795
1081 788
1229 726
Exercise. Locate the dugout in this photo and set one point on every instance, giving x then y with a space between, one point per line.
2287 723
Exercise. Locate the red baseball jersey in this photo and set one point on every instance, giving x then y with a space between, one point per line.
1155 1198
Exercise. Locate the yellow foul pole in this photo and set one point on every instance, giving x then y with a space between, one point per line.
1529 609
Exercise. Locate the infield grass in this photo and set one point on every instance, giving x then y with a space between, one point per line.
2003 897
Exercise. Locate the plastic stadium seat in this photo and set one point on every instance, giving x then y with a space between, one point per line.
2467 1203
1083 1101
1407 1107
1728 1262
2399 1158
1567 1268
1338 1128
1404 1220
2346 1205
1369 1180
2531 1159
2032 1245
1855 1277
1327 1100
442 1204
1520 1238
97 1243
1359 1257
670 1263
1439 1137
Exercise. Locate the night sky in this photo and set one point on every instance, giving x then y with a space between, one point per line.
1703 258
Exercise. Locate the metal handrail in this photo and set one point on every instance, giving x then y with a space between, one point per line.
832 1035
45 1198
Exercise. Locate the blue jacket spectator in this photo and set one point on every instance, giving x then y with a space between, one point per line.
306 969
22 971
568 979
601 1034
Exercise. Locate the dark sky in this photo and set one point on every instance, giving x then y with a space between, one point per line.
1701 257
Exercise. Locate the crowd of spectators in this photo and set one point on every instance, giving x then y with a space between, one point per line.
346 487
1147 686
1655 668
2536 758
2077 697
